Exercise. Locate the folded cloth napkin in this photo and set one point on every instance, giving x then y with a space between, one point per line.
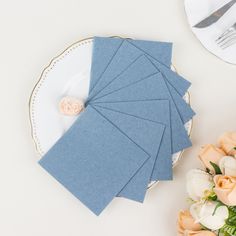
132 124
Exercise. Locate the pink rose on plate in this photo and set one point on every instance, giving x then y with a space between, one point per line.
71 106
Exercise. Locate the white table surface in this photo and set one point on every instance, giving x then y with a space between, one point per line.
32 32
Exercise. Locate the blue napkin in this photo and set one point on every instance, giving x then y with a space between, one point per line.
102 55
162 51
94 160
132 124
139 69
122 53
146 134
122 71
153 87
178 82
104 49
157 111
142 68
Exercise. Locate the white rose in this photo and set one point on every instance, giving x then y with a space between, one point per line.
228 165
207 214
198 182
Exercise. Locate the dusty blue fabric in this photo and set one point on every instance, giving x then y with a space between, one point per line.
103 51
153 87
124 52
139 69
142 68
148 135
94 160
186 113
157 111
162 51
129 64
105 48
178 82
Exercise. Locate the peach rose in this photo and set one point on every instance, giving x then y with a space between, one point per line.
210 153
228 142
186 222
70 106
199 233
225 189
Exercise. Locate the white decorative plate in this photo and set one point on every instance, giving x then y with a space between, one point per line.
198 10
67 75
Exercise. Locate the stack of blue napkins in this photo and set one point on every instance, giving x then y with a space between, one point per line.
133 123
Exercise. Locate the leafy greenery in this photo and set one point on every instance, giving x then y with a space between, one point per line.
232 216
216 168
232 209
229 229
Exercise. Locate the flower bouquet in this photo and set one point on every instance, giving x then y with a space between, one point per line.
212 192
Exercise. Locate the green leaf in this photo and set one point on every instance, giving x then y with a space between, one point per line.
231 220
232 216
232 209
234 148
229 230
216 168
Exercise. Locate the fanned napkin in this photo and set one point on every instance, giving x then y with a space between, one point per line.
149 140
132 124
129 50
153 87
150 111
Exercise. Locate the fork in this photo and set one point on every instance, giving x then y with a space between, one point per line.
228 38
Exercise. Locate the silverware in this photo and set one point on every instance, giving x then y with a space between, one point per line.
228 38
214 17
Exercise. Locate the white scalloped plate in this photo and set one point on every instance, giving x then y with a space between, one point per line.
67 75
197 10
